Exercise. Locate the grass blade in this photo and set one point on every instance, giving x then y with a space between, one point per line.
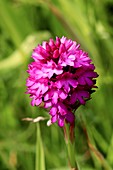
40 159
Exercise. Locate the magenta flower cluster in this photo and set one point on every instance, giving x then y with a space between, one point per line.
62 77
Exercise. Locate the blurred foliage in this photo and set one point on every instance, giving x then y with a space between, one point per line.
24 24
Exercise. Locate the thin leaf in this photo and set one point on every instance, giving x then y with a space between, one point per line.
40 159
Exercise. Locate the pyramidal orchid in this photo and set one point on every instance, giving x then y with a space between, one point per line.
62 77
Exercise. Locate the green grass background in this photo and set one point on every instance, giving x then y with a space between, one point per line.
24 24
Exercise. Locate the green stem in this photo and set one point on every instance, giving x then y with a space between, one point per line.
70 147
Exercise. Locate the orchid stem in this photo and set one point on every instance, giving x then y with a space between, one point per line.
70 147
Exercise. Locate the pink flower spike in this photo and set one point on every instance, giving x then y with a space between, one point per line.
61 78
